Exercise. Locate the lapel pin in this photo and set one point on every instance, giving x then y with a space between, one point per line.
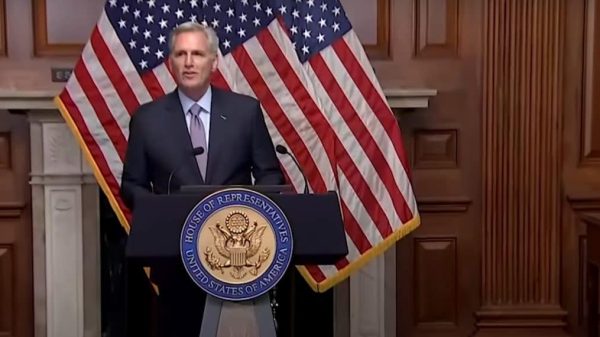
223 117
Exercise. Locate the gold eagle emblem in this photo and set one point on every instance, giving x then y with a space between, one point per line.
237 241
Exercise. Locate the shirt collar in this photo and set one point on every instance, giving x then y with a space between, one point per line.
204 102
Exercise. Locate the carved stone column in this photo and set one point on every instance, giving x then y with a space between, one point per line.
522 133
66 232
66 243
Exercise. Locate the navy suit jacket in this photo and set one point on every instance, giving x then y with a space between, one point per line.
239 147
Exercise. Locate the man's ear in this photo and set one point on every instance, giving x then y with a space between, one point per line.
215 63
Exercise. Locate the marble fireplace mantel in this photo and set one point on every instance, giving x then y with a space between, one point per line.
398 98
66 239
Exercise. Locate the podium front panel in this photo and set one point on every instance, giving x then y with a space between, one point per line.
317 227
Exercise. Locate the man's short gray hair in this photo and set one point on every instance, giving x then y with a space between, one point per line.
190 26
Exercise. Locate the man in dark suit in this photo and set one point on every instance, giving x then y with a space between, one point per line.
162 137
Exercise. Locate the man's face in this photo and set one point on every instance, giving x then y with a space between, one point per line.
192 63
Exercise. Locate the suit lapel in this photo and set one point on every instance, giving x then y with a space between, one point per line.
218 123
189 173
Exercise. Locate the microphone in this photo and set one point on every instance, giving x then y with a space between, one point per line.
283 150
195 152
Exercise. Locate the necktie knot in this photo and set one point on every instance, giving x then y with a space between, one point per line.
195 110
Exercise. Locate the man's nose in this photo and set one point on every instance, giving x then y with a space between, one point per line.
188 60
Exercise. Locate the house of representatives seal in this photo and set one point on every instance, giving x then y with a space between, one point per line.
236 244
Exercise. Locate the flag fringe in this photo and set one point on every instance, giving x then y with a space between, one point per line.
362 260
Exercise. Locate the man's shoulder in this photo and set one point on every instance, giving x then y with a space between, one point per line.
152 107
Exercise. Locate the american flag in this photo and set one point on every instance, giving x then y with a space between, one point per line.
306 65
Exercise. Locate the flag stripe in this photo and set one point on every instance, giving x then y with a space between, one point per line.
114 104
313 113
363 83
360 215
381 111
152 84
352 227
278 116
351 222
291 107
399 181
294 86
353 253
93 147
342 263
230 66
98 134
316 273
261 90
344 107
164 78
219 81
376 106
100 109
112 42
113 72
357 154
